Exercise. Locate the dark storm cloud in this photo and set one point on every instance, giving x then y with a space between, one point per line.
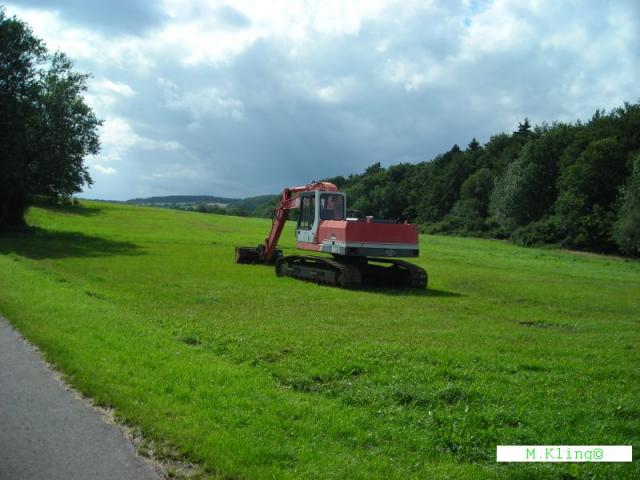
112 16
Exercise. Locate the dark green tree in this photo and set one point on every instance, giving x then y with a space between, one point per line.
20 55
366 192
500 151
439 183
339 181
468 215
473 145
626 230
477 189
588 192
527 190
524 128
46 129
68 131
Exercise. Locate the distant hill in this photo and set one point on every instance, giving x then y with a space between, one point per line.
176 199
258 206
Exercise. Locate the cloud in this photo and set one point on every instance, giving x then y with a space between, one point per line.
203 103
114 16
244 97
231 17
118 88
118 137
104 170
104 94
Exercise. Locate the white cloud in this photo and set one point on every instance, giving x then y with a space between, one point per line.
104 94
506 25
75 42
198 30
119 88
179 171
104 170
338 90
118 137
201 104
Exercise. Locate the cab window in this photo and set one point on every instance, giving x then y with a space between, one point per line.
331 207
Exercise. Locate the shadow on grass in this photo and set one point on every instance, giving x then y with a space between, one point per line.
38 243
377 287
79 210
411 292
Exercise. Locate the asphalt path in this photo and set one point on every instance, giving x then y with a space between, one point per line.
46 432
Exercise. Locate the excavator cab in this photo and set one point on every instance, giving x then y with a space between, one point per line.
316 207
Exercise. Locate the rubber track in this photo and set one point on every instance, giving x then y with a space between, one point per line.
419 277
348 275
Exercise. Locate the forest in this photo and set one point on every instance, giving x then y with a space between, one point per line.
572 185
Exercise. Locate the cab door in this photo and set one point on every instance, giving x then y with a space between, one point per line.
306 228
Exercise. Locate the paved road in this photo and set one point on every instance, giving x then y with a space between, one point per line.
48 433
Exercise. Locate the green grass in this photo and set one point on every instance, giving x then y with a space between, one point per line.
255 376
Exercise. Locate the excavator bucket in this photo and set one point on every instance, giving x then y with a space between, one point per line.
254 255
247 255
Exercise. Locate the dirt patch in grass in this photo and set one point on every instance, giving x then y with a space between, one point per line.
543 324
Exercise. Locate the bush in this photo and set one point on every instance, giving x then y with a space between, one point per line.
544 231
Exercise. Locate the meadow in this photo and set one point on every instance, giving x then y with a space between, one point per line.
254 376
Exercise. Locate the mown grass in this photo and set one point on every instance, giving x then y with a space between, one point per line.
255 376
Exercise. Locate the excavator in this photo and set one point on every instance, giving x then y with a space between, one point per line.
364 250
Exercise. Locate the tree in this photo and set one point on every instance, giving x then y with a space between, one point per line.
588 193
68 131
469 213
439 184
500 151
626 230
366 193
527 189
20 54
511 197
477 189
46 128
524 128
474 145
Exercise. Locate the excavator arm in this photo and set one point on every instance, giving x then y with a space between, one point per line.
289 199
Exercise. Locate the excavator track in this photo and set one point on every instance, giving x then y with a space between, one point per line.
324 271
396 273
352 273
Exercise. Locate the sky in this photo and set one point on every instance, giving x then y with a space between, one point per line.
240 98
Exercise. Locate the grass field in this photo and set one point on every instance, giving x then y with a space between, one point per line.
254 376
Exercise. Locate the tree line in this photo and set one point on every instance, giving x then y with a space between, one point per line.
574 185
46 128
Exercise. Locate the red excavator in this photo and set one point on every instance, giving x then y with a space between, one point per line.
360 247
